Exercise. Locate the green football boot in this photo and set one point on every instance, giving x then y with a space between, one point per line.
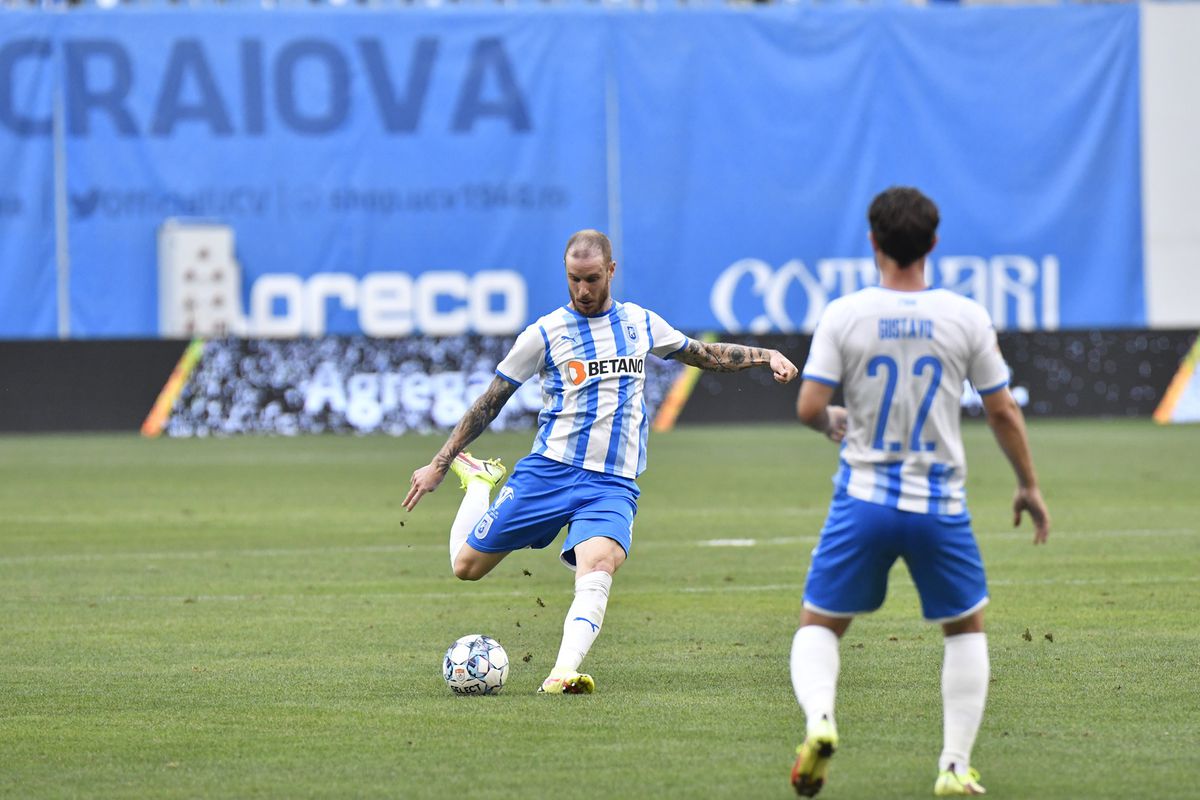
812 759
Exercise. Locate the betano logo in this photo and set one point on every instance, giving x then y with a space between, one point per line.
579 371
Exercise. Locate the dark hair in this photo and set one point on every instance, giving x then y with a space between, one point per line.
903 222
588 242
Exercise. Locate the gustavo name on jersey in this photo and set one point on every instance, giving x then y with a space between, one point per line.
580 371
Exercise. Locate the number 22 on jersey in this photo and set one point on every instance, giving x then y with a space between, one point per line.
885 367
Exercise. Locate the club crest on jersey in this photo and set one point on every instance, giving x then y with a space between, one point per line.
579 371
632 332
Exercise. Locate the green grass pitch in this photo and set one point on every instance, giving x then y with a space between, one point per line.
260 618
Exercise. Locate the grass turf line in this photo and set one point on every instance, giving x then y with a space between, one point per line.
249 618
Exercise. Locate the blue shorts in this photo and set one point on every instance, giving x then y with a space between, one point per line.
543 495
861 541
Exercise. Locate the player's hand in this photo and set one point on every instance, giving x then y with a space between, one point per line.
784 369
1031 500
838 419
424 481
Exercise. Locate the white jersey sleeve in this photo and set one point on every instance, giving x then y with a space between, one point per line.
525 358
987 371
665 340
824 364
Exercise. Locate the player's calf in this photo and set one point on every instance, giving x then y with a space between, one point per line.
471 564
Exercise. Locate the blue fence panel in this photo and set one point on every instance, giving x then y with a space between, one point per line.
338 143
446 155
774 130
28 278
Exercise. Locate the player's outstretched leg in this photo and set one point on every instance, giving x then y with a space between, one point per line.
580 629
477 478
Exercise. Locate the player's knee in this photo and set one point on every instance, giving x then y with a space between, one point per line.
601 564
608 565
969 624
467 571
599 555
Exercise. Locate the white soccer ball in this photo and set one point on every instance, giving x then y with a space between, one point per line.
475 664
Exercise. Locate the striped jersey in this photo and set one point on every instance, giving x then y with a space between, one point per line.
593 371
901 359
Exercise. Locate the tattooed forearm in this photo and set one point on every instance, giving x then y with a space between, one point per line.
475 421
722 357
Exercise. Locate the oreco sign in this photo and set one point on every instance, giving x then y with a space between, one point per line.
750 295
390 304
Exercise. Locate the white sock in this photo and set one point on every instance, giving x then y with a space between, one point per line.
476 501
583 621
815 663
964 690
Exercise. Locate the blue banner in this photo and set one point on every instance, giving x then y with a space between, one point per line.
337 146
28 273
419 171
774 131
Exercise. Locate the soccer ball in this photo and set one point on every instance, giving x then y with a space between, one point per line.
475 664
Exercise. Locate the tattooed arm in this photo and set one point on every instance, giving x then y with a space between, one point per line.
474 422
721 357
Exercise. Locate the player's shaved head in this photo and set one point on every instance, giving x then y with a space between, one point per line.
904 224
588 243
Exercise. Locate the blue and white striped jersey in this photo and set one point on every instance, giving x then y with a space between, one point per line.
593 371
901 359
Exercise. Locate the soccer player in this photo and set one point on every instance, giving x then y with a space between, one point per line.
590 445
900 352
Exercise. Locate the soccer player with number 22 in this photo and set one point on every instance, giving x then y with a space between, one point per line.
900 352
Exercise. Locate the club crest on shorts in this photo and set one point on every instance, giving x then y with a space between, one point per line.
484 526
